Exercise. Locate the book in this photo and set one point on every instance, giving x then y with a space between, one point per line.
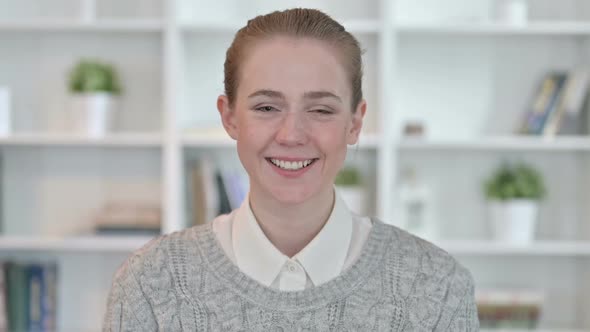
571 115
49 299
212 190
122 218
30 297
509 308
224 204
544 103
236 187
41 281
204 194
34 274
17 295
3 312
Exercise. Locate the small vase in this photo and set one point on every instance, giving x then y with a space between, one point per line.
514 12
92 114
514 221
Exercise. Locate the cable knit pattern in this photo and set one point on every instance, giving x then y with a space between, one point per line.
184 282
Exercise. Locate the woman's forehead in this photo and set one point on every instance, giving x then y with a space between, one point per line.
296 65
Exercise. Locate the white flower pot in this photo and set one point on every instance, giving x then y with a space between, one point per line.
514 221
354 197
513 12
92 114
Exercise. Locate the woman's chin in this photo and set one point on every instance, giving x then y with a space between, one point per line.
292 196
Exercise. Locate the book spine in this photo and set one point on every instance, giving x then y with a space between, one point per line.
49 298
17 297
35 284
554 102
3 304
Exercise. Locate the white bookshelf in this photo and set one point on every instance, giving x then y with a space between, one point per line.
448 64
128 140
498 29
107 25
499 143
78 245
539 248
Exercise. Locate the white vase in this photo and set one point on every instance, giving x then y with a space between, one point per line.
513 12
92 114
354 197
514 221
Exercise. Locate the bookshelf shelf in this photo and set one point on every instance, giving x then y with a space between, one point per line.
492 28
354 26
221 140
540 248
501 143
86 244
128 140
106 25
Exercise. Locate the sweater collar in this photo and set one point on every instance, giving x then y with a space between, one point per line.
322 258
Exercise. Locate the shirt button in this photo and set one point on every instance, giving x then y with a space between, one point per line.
291 267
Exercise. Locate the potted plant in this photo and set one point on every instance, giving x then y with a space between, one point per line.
349 185
513 194
94 86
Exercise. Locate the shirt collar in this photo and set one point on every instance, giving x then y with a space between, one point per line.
323 258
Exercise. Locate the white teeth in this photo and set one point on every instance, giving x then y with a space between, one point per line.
291 165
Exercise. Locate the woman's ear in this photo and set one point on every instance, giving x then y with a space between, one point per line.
228 116
354 131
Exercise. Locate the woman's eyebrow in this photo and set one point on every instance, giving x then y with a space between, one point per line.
321 94
267 93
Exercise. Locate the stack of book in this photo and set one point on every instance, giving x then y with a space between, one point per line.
121 218
501 309
560 105
28 296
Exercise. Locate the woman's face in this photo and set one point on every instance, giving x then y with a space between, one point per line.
292 118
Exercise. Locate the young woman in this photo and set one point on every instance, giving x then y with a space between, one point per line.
292 257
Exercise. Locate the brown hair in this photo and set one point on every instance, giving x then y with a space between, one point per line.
299 23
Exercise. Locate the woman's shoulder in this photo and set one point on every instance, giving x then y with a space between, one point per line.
418 258
161 253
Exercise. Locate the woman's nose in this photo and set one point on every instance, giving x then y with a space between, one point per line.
291 130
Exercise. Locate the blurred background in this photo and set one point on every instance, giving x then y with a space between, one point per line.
476 138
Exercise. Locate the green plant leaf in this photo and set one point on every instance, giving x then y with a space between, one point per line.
94 76
514 182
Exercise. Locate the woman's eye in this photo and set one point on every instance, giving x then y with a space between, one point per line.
266 109
322 111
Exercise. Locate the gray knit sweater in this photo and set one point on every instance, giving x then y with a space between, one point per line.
185 282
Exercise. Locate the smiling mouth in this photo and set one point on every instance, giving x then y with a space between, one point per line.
291 165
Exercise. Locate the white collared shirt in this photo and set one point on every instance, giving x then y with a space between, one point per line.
334 249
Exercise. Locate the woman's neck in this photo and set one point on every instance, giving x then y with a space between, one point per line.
291 227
